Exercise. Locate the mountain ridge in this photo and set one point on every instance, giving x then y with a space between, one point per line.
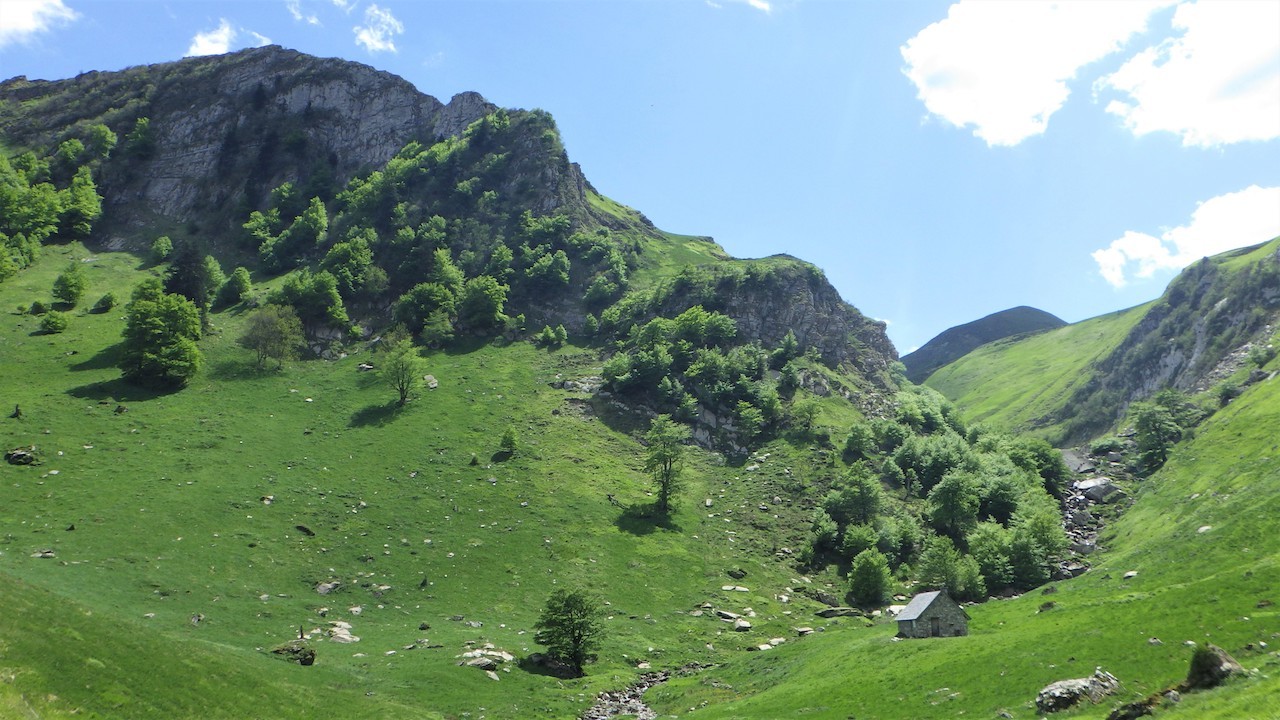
955 342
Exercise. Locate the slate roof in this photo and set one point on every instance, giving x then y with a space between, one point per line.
918 604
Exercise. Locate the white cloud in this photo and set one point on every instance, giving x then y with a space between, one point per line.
1002 67
295 9
213 42
1218 83
765 6
379 30
1219 224
347 5
20 20
259 40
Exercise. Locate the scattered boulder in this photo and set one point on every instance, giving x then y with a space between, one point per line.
1067 693
741 625
325 588
340 631
727 615
736 573
1210 667
833 612
298 651
431 381
21 456
46 553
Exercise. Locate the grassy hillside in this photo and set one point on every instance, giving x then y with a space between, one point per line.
1023 384
1201 537
1075 382
165 493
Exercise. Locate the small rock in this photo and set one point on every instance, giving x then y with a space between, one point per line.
1154 641
802 631
741 625
1131 574
1204 529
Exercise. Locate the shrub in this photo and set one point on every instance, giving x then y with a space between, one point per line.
105 303
161 249
69 286
54 322
39 308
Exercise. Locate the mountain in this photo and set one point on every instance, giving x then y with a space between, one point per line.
480 407
954 343
1073 382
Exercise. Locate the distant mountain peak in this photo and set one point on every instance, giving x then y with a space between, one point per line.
954 343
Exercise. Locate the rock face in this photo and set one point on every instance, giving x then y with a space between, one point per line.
1210 667
791 295
1066 693
954 343
227 129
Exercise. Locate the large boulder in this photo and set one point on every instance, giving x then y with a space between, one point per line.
298 651
1067 693
1210 667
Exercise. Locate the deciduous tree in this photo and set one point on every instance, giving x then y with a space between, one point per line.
273 331
570 627
666 440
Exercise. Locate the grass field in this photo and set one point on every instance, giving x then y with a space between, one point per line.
154 506
166 496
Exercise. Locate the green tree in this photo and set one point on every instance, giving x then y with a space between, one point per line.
314 296
869 578
161 249
857 499
350 262
663 460
570 627
482 302
421 301
510 441
194 275
1157 431
54 322
402 370
273 331
953 504
82 205
989 546
942 566
160 334
140 142
236 287
101 141
70 284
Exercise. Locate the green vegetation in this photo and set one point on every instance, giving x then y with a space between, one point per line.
570 627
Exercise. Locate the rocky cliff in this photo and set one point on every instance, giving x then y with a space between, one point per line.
1208 315
227 129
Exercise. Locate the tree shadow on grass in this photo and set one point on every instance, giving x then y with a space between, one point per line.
119 391
107 357
644 519
241 369
539 664
376 415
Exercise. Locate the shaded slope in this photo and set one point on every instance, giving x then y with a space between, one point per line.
954 343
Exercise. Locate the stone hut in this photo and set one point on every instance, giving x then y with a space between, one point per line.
932 614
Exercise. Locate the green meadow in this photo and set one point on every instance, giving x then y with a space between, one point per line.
231 500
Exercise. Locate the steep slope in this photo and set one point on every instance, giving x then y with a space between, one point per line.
1074 382
247 506
224 130
953 343
1200 542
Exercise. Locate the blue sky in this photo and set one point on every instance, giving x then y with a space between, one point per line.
940 161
